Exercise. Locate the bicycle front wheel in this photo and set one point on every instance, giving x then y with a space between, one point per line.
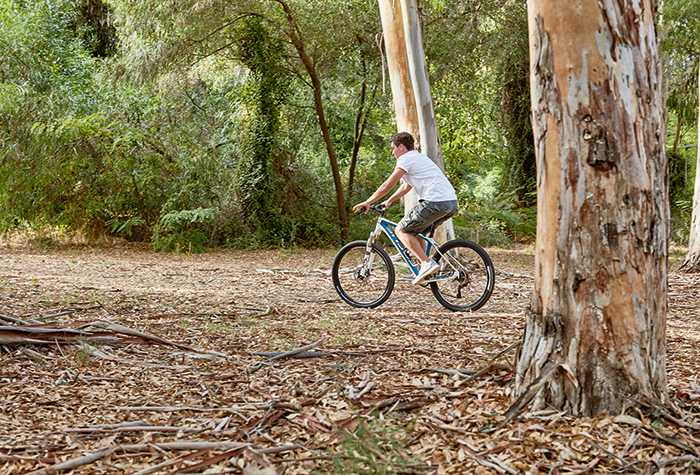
363 279
466 277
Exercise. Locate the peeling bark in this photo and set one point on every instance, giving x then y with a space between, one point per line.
599 305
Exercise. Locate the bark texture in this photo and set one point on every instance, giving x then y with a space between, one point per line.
397 62
400 76
692 259
599 305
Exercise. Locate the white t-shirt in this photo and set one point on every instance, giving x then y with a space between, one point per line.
425 177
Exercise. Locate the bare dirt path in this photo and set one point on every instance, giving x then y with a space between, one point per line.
379 395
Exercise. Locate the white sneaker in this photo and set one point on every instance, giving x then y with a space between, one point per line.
427 269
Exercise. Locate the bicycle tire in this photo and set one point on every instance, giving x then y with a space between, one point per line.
363 291
473 286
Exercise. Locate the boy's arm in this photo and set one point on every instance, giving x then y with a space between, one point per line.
383 189
403 189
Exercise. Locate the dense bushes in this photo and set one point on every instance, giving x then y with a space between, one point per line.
189 144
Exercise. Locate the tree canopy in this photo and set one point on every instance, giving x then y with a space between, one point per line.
252 123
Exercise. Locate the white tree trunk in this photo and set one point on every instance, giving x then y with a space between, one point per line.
397 62
595 330
692 259
400 76
429 134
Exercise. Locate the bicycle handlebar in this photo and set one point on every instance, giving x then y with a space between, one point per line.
377 209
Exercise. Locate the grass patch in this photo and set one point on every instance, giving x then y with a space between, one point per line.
377 447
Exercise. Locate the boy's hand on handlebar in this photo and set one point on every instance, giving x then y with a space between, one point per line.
361 207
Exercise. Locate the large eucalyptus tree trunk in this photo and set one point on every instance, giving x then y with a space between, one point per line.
410 86
595 330
400 76
692 259
397 63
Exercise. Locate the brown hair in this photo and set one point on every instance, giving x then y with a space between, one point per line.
405 139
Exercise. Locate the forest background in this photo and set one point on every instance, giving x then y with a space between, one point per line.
191 124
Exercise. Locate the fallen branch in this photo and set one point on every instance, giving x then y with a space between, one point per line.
69 311
277 450
74 463
438 424
491 367
495 462
116 328
141 428
286 354
306 354
178 409
230 409
17 321
464 373
545 375
182 445
472 316
92 351
680 444
674 460
17 335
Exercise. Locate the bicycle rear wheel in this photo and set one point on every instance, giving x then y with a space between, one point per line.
361 279
473 276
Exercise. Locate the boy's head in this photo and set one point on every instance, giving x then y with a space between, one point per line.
405 139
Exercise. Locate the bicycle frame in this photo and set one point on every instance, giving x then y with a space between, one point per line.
387 227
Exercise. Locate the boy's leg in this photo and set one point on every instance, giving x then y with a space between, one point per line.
416 220
414 244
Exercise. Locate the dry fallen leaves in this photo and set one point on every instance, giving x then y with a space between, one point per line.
247 362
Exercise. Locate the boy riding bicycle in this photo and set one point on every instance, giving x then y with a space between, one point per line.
437 198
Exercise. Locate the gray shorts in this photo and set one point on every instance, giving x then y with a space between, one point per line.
426 214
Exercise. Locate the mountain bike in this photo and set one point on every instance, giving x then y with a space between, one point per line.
364 274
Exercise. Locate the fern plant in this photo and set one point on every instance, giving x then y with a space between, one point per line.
182 230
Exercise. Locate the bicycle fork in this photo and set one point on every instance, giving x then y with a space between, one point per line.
368 261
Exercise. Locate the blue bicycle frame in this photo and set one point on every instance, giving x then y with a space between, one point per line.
387 227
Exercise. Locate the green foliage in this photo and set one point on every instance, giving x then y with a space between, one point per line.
489 217
197 128
680 47
183 231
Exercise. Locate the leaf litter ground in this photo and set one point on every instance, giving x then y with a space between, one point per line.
172 364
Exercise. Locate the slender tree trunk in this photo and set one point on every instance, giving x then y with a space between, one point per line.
427 123
595 330
297 41
358 133
400 76
692 259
